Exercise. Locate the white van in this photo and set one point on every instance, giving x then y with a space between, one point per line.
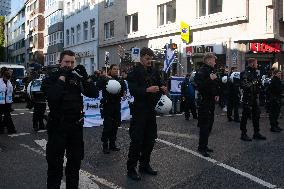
19 71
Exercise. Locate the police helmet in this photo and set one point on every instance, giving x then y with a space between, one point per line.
113 86
235 75
164 105
224 79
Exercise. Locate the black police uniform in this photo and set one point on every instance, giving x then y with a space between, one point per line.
143 126
233 99
251 88
189 95
64 127
39 103
207 89
274 90
111 113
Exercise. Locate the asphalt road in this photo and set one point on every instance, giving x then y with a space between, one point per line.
234 163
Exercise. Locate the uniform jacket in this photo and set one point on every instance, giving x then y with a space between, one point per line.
275 88
139 79
6 92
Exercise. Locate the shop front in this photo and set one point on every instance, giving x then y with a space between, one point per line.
268 55
195 53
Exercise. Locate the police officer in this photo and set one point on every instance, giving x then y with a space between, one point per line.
63 90
37 98
274 90
188 97
251 87
6 100
145 86
234 95
207 86
111 109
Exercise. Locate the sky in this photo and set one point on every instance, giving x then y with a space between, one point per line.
16 5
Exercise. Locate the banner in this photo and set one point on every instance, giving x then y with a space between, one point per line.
176 85
169 58
92 109
184 31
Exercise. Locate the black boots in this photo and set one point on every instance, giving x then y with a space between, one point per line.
258 136
245 137
133 175
147 170
105 148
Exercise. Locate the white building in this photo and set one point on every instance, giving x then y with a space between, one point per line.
234 30
81 31
53 32
5 7
15 37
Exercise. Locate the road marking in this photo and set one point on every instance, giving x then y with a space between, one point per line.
18 134
86 178
244 174
178 135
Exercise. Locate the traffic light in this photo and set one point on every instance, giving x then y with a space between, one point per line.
173 46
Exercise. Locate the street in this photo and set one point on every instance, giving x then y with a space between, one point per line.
234 164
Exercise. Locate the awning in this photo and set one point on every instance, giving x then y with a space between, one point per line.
267 37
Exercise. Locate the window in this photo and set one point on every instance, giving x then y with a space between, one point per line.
131 23
92 25
85 25
207 7
67 37
166 13
108 3
72 36
78 33
109 30
73 5
68 7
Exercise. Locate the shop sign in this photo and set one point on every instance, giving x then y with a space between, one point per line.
84 54
201 49
266 47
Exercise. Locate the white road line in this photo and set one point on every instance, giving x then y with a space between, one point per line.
178 135
86 178
18 134
244 174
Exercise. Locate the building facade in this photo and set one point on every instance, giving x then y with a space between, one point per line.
81 31
15 37
53 33
234 30
5 7
34 31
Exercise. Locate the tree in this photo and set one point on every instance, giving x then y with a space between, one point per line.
2 38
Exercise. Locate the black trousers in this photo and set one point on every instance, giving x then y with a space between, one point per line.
189 105
248 110
5 118
61 138
112 120
143 132
274 112
233 105
38 115
205 122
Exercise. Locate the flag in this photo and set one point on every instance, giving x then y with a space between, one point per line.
169 58
184 31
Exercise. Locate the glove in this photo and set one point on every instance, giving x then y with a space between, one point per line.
81 72
64 71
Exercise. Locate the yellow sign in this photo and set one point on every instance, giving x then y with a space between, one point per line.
184 31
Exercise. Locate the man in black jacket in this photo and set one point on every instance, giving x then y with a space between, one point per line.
207 86
275 91
145 86
111 110
63 90
251 88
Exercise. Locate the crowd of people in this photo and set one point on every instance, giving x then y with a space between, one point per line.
200 91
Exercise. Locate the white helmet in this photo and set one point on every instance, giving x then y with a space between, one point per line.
113 86
224 79
164 105
235 75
